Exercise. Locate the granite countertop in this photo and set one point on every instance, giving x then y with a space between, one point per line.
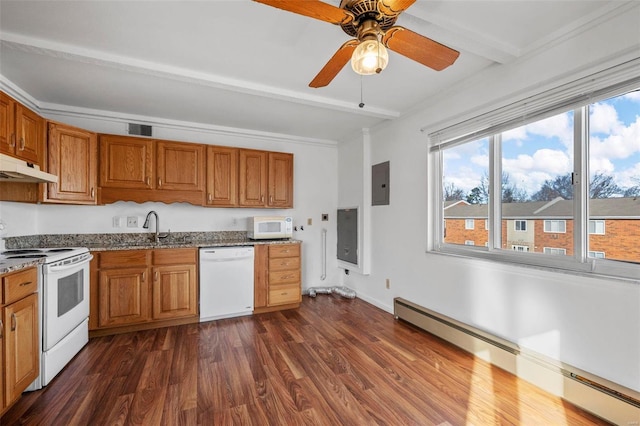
127 241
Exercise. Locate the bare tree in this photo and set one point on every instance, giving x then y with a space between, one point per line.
452 192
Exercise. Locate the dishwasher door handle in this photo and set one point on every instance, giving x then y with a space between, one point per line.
225 259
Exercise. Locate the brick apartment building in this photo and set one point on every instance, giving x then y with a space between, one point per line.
547 226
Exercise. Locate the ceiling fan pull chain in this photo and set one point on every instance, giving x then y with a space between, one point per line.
361 104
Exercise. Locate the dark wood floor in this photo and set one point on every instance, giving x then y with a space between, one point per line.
332 362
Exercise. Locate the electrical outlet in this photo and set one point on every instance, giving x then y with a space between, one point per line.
388 283
117 223
132 221
309 221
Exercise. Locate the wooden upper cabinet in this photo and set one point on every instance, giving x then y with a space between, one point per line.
73 157
253 178
7 124
22 131
126 162
280 180
30 135
180 166
222 176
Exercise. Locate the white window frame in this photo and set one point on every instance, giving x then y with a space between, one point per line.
469 221
596 254
570 96
558 221
469 243
515 225
554 251
595 221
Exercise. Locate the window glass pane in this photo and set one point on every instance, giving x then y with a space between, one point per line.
537 161
466 191
614 184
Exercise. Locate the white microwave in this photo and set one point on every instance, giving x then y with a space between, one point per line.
270 227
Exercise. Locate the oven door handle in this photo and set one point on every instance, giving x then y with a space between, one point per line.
58 268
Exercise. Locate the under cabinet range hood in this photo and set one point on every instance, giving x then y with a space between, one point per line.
16 170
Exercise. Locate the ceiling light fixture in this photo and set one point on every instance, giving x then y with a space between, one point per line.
371 56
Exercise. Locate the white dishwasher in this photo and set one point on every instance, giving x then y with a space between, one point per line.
226 282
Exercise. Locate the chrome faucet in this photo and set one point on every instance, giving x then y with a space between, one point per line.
158 234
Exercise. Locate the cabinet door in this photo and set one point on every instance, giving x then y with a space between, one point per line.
30 135
126 162
21 346
260 275
180 166
3 402
73 157
253 178
222 176
123 296
7 124
174 291
280 180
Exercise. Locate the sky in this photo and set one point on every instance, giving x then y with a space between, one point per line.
544 150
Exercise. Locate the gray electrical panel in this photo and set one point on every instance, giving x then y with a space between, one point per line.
380 184
348 235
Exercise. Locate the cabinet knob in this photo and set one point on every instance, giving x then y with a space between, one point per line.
209 197
148 181
159 182
144 275
1 329
271 199
93 192
14 322
155 276
12 142
22 145
26 283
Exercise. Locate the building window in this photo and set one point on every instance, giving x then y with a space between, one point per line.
596 227
469 224
469 243
555 226
555 251
572 171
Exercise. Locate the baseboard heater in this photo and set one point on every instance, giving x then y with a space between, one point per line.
599 396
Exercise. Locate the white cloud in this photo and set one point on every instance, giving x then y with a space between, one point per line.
632 96
621 144
603 118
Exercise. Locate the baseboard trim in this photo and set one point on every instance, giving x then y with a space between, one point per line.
605 399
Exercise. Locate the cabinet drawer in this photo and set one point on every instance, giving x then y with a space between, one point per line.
122 258
175 256
291 276
283 294
19 284
284 263
284 250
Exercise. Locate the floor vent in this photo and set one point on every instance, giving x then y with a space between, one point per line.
606 399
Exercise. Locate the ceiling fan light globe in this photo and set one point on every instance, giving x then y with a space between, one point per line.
370 57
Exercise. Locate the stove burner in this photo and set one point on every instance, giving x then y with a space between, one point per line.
27 256
58 250
24 251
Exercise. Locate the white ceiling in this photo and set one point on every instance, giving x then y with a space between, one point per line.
246 65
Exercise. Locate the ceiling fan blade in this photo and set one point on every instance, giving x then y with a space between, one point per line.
419 48
313 9
335 64
394 7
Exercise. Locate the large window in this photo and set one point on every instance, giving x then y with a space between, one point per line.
538 168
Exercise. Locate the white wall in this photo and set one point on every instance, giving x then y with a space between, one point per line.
315 193
589 323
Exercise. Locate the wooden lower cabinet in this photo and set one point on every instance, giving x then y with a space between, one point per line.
138 289
19 336
277 277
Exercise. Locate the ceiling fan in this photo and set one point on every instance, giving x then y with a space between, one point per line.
372 23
